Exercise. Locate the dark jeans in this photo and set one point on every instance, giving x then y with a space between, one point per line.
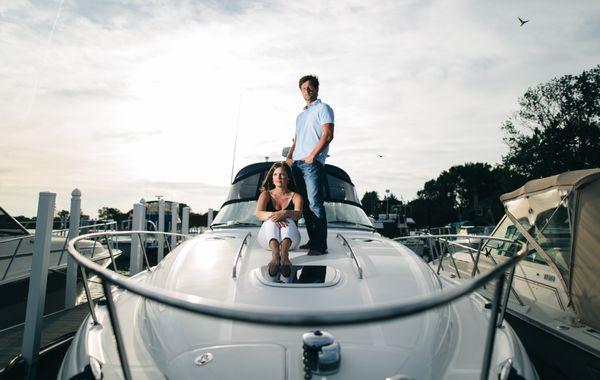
309 179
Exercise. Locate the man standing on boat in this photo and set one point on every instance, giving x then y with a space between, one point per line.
314 132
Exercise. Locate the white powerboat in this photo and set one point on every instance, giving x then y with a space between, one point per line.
16 250
210 310
555 300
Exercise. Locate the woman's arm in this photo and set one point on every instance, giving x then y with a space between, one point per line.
295 214
261 207
281 215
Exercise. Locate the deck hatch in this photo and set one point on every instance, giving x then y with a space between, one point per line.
302 276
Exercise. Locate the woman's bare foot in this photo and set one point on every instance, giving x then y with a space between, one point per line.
273 267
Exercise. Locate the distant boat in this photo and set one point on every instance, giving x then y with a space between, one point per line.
16 250
465 240
555 302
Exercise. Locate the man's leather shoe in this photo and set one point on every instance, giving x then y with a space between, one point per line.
304 246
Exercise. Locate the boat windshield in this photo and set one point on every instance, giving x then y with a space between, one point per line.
339 214
9 226
342 205
547 217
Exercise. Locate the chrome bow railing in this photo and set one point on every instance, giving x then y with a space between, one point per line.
275 316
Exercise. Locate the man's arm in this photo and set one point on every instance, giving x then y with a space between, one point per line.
323 142
288 158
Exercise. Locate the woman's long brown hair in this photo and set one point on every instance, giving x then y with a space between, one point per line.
268 181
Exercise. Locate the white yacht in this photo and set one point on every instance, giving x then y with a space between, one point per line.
554 304
210 310
16 250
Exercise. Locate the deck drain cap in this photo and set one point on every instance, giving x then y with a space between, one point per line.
203 359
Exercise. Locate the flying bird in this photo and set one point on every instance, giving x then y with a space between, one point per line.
379 155
523 22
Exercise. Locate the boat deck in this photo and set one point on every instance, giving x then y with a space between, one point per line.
55 326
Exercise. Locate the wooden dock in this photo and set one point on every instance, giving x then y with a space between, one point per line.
55 326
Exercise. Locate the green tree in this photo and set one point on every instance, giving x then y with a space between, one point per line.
370 202
463 192
389 202
111 213
556 129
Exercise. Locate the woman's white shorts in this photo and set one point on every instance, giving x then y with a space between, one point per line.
269 231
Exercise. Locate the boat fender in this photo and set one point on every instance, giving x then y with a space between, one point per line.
321 354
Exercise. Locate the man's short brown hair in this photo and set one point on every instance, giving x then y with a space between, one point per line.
310 78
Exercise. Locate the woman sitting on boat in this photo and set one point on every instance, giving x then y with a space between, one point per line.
279 207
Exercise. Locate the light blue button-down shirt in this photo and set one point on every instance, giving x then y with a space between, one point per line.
309 129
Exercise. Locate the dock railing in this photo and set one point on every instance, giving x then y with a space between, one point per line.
273 316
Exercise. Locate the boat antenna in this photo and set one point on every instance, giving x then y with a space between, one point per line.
237 127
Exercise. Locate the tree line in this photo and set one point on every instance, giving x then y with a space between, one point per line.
556 129
113 214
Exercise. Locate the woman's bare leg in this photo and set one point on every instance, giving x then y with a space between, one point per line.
274 263
284 259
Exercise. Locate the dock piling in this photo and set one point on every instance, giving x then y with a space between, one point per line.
161 228
71 283
209 217
138 224
36 296
185 221
174 217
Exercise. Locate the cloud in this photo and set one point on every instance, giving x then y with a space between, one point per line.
130 98
123 137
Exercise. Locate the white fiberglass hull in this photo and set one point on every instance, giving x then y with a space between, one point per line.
161 341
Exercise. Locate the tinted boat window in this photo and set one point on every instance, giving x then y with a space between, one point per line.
341 190
244 212
245 188
507 230
239 212
342 212
553 233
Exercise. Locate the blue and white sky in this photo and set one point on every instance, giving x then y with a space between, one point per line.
129 99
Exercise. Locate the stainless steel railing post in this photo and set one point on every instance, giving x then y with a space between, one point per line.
476 259
94 248
491 333
239 255
506 295
440 256
88 294
144 250
12 258
114 321
453 262
352 255
112 257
